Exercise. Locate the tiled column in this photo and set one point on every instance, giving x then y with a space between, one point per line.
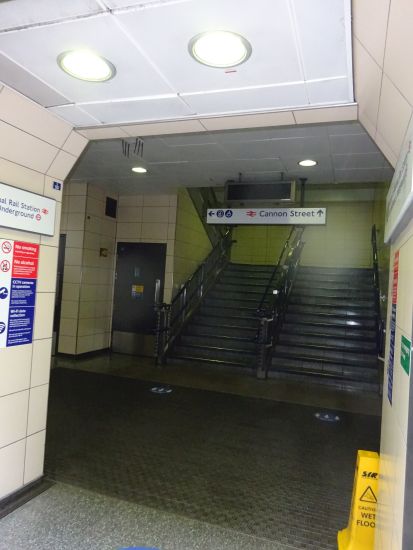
36 148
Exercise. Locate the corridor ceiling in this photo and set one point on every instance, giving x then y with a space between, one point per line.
344 152
301 57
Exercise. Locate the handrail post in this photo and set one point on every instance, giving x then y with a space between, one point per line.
263 332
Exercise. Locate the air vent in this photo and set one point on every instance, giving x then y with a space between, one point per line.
111 207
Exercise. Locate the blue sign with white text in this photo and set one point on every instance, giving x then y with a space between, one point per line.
20 329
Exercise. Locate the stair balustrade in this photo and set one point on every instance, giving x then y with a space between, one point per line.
172 318
274 301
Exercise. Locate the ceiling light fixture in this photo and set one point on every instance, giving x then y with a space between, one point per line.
220 49
86 65
139 169
308 162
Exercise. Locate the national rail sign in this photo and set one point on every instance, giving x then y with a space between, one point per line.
26 211
267 216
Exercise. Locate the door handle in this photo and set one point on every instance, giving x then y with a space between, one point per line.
157 291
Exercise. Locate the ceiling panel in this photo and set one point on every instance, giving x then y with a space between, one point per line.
210 158
371 174
358 143
249 99
328 91
75 115
176 24
28 12
145 109
322 36
38 48
369 160
28 85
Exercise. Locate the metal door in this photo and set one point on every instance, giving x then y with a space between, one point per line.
138 267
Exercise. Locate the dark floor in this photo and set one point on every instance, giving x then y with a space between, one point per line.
255 466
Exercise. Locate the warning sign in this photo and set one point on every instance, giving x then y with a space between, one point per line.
18 281
368 496
359 535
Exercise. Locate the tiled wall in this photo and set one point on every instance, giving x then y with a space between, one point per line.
150 219
343 242
395 416
85 323
382 49
192 244
36 149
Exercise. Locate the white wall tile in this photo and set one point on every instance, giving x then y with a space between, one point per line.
47 269
394 115
67 344
13 414
15 369
35 447
49 191
61 165
37 409
42 351
11 468
155 231
43 319
370 25
24 149
24 178
367 80
75 143
18 111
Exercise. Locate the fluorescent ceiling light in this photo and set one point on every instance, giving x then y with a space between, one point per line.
308 162
86 65
220 49
139 169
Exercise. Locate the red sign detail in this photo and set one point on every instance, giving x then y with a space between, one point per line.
395 277
45 211
25 260
6 247
4 266
38 217
251 213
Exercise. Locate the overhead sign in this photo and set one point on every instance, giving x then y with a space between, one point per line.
267 216
18 280
26 211
399 202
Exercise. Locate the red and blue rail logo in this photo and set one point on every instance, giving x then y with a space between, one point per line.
251 213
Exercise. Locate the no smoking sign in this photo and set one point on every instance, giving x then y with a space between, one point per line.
6 247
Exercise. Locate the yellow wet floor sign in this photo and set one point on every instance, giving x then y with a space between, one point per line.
359 535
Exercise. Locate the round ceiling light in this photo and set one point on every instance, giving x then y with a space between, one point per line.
139 169
221 49
86 65
308 162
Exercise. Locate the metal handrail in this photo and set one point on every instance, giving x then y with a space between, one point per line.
272 315
380 328
293 238
171 318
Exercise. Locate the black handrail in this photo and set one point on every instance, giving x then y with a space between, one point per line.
274 305
380 329
171 318
292 239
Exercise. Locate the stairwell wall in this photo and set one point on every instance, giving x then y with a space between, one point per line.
192 244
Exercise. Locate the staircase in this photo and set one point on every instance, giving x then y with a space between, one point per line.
329 330
222 332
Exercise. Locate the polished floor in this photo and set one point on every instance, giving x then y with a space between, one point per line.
218 380
241 468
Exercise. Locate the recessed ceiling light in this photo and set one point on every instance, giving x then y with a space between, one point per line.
139 169
86 65
220 49
308 162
